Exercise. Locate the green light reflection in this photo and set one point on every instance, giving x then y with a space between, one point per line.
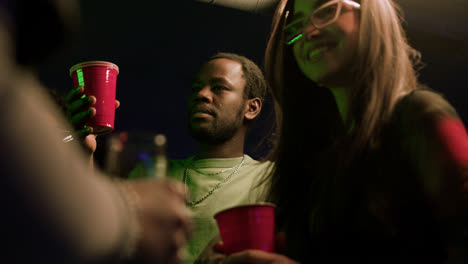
79 74
294 39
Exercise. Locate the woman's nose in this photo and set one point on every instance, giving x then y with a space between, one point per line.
310 31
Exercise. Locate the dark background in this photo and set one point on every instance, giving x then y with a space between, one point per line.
159 45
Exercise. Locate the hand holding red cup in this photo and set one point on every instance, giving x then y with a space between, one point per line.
99 79
247 227
248 236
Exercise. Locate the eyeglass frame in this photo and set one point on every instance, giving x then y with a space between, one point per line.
300 34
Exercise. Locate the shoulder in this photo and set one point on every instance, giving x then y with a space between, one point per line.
424 103
420 111
429 127
174 166
176 163
258 169
258 163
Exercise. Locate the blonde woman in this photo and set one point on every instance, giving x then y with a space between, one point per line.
371 167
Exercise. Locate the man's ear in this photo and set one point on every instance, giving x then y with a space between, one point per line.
252 108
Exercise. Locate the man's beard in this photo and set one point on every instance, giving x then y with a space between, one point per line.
219 132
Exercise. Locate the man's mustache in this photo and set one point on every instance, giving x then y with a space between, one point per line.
203 109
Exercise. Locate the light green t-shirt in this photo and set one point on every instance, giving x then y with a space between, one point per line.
239 189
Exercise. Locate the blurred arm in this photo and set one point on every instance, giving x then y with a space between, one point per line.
60 207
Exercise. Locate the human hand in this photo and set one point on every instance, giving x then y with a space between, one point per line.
165 221
79 112
214 253
257 256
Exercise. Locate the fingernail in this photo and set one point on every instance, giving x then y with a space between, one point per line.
92 111
91 99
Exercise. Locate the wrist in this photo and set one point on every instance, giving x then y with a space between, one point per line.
132 233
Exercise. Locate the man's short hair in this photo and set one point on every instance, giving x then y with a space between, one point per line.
255 84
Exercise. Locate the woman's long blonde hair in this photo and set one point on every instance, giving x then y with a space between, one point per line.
385 69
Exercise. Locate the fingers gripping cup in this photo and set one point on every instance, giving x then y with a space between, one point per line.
247 227
99 79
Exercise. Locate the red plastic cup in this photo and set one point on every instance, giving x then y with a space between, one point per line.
99 79
247 227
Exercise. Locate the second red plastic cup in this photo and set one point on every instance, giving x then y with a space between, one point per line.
99 79
247 227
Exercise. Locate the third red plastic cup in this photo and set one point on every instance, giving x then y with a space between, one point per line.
99 79
247 227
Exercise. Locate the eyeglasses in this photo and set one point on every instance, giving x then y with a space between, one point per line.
321 17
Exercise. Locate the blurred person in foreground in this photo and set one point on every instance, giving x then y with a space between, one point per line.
381 176
56 208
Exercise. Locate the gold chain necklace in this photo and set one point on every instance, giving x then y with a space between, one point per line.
211 173
192 203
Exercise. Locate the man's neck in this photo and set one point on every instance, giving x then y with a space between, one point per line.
232 148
